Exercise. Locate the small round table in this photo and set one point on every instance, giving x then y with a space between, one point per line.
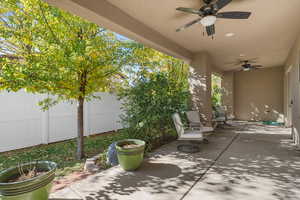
188 148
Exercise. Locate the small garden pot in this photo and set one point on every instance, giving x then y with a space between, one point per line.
130 153
36 188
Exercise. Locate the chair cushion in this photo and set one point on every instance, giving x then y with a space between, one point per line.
207 129
193 116
203 128
197 124
191 135
220 119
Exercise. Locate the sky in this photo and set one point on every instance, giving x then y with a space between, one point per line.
121 37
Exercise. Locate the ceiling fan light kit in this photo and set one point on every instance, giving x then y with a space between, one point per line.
208 20
246 69
209 13
229 34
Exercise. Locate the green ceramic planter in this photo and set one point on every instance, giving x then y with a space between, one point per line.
37 188
130 158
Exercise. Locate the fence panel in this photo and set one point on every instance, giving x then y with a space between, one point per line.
23 124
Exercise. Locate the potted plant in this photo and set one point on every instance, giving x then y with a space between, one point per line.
130 153
30 181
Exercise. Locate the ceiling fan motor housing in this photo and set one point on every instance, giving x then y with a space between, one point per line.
208 1
208 10
246 66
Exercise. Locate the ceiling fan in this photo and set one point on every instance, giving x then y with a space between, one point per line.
247 65
209 14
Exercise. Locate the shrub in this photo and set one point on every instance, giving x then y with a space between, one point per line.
152 99
216 91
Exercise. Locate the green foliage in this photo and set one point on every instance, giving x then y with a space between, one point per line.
62 153
160 89
46 50
56 53
216 91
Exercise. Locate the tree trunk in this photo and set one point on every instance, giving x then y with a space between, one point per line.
80 132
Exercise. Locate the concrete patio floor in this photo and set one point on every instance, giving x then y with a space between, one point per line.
246 161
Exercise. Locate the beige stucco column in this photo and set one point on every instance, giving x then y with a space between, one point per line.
228 93
200 86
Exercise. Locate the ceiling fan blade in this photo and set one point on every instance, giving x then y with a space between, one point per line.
210 30
239 69
234 15
189 10
233 63
257 66
222 3
188 24
252 59
233 70
240 61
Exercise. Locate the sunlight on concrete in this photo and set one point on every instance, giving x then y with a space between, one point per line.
250 161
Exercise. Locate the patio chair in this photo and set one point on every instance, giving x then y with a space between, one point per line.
186 134
195 122
220 115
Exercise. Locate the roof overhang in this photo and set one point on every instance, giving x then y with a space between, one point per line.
268 34
111 17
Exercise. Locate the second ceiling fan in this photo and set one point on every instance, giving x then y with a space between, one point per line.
245 64
209 14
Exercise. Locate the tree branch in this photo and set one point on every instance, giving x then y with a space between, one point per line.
47 24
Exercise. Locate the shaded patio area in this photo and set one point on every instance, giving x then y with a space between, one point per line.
245 161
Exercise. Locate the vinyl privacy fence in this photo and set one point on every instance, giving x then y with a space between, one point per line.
23 124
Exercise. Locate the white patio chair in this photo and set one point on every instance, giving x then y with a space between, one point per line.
195 122
220 115
183 132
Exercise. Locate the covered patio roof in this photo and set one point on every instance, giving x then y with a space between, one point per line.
268 34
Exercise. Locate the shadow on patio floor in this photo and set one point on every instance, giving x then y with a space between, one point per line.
261 163
150 175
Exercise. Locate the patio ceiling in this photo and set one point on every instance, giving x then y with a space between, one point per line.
268 34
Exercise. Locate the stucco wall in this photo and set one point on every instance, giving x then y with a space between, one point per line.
292 89
258 94
200 86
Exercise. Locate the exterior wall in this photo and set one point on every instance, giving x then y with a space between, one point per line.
200 86
258 95
294 100
23 124
228 93
292 89
287 99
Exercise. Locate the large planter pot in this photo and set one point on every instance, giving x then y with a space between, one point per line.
37 188
130 158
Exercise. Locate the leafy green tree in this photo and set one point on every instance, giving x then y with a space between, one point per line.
158 88
46 50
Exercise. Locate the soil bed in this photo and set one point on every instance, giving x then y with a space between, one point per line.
129 145
26 176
